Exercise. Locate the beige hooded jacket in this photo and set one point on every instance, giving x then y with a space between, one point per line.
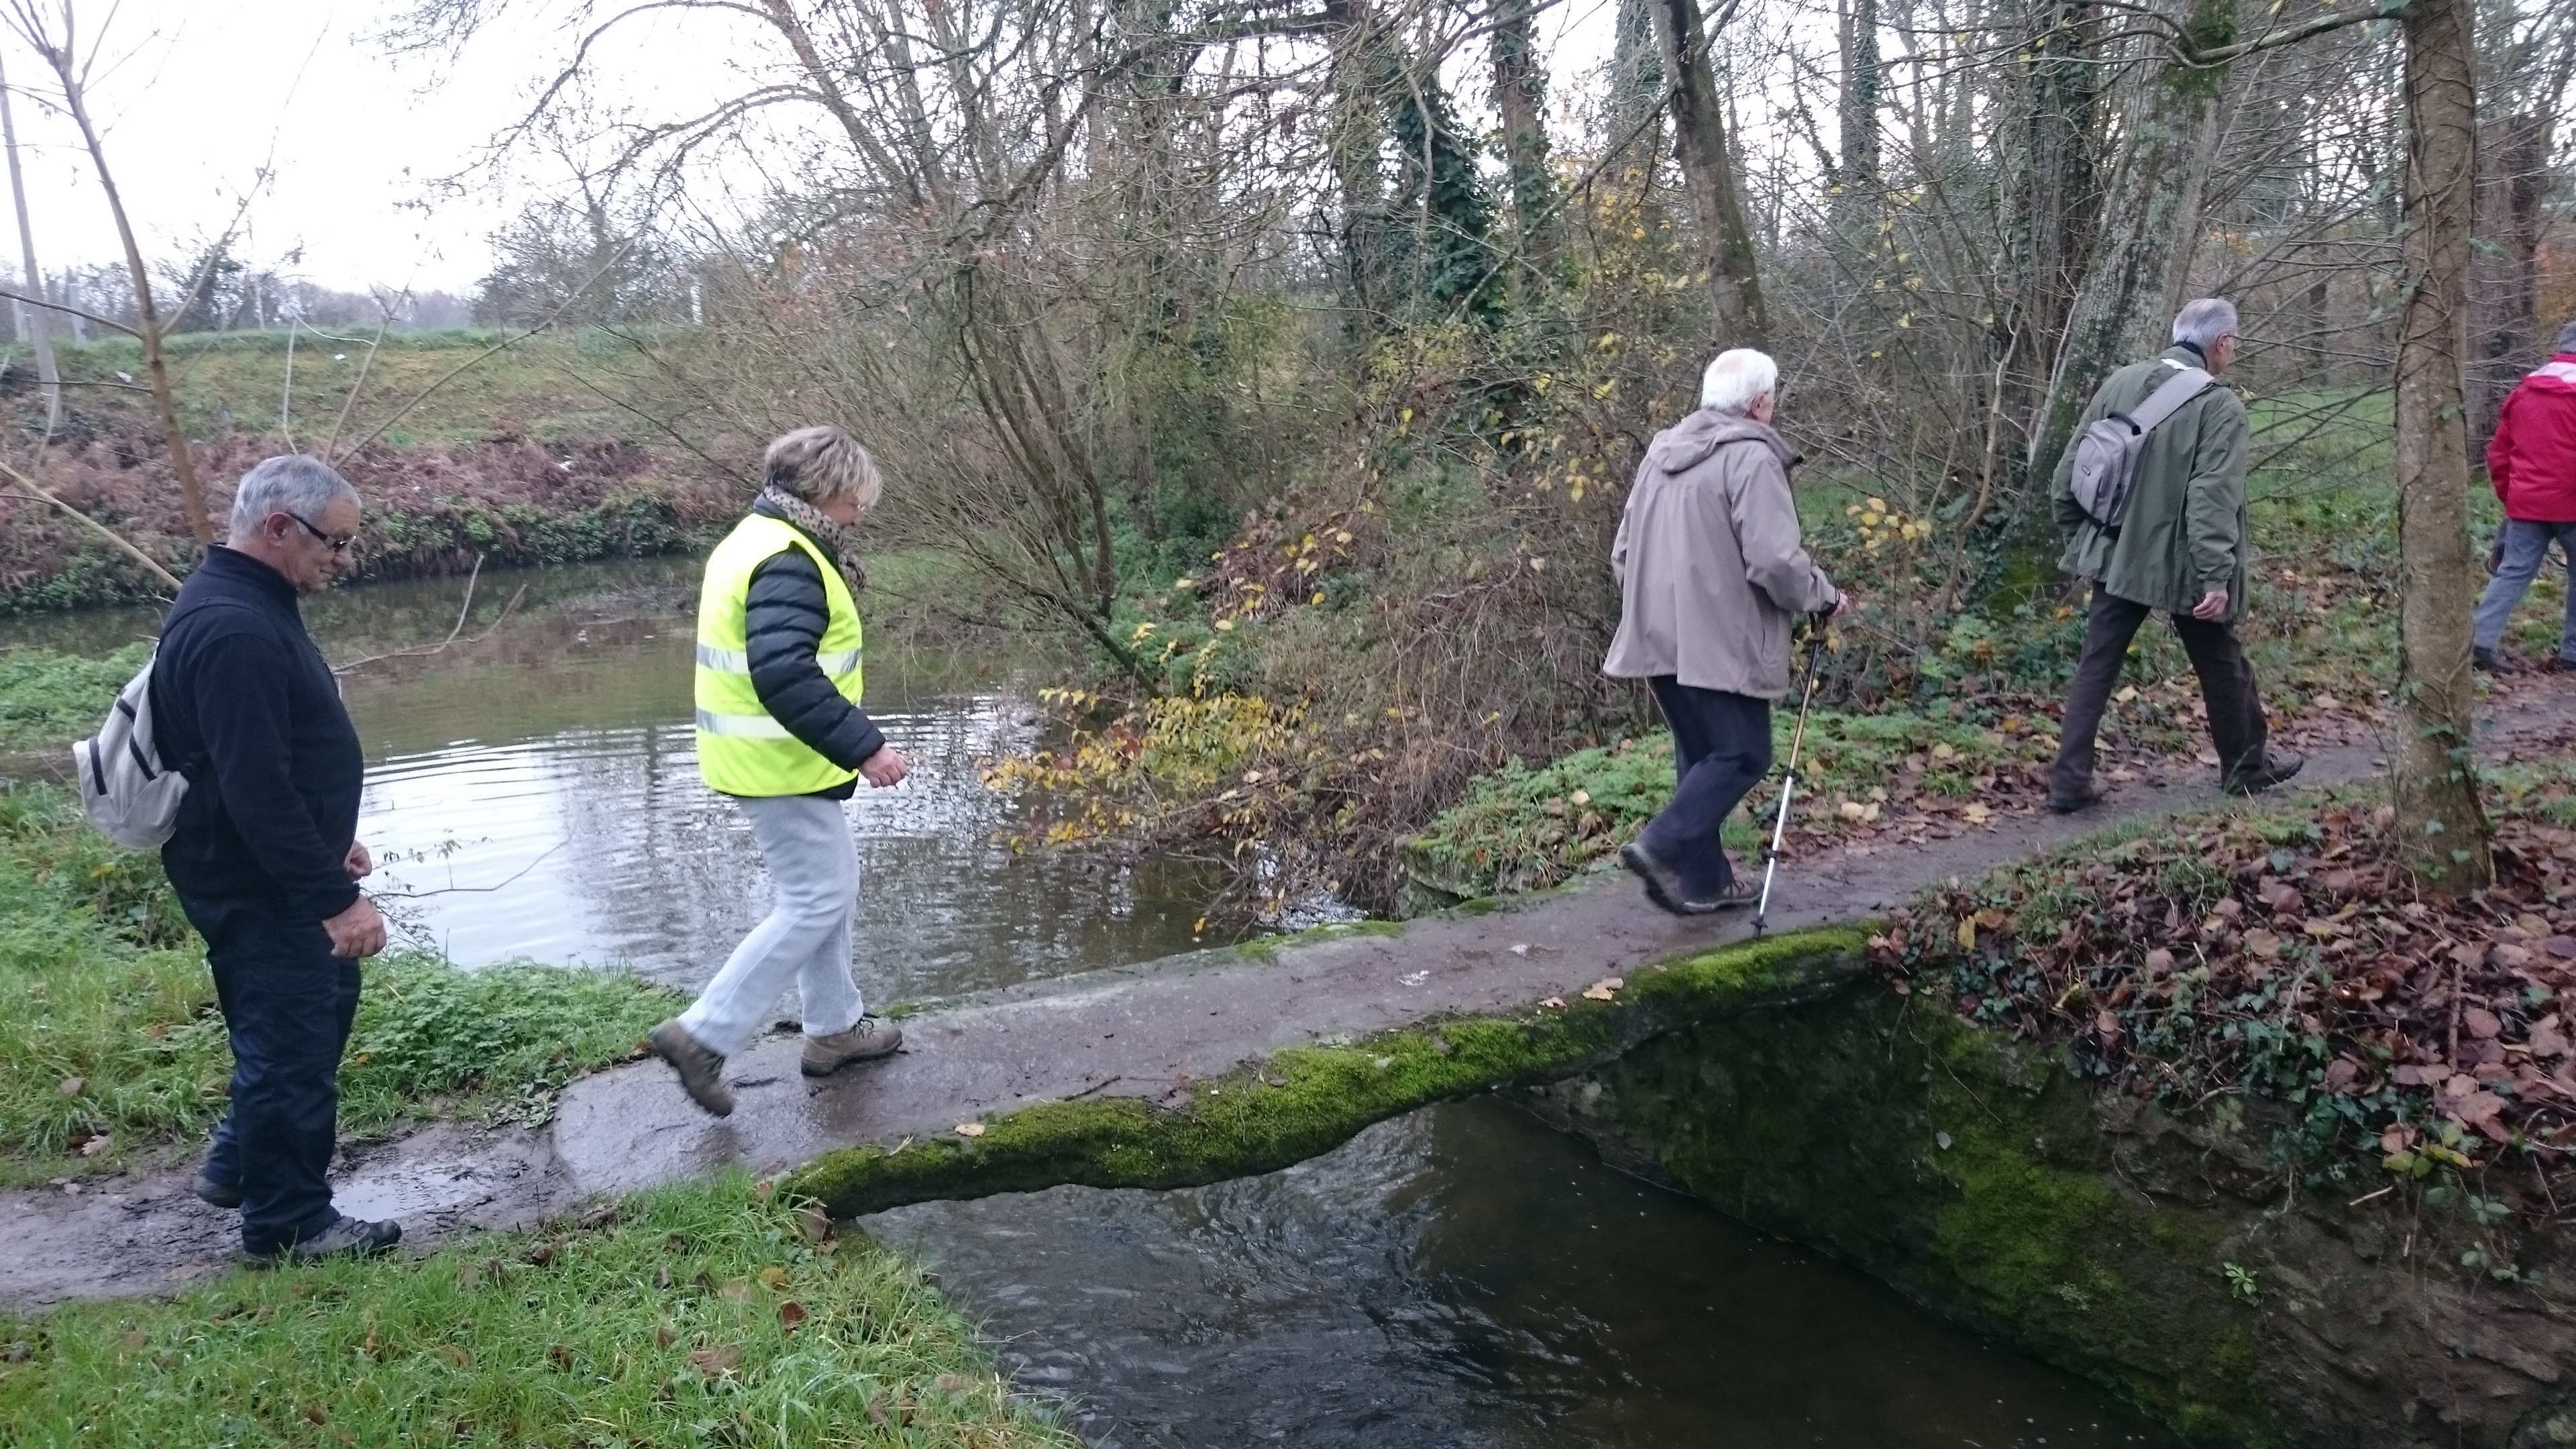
1711 574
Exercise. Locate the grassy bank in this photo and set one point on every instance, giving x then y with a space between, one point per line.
111 1049
49 699
696 1314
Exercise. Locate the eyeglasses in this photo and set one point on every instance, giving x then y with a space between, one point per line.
336 545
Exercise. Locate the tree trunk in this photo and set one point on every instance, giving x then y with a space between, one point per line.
40 326
2139 262
1520 99
2053 208
2506 310
1708 173
1352 136
1856 179
2440 828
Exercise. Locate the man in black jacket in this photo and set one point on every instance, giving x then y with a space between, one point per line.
265 856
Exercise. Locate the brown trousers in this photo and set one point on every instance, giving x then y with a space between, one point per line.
2227 690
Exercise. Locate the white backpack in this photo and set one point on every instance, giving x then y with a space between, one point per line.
2106 453
125 789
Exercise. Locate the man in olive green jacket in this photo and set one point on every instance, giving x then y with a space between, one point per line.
2181 549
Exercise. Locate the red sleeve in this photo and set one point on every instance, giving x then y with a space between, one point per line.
2500 449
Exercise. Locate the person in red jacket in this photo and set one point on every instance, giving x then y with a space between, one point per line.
2532 463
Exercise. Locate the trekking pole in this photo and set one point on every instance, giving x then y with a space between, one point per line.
1789 777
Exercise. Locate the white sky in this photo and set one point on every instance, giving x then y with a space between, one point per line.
191 95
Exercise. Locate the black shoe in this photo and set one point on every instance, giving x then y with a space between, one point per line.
2485 659
2086 799
220 1194
701 1071
2277 766
347 1237
1663 887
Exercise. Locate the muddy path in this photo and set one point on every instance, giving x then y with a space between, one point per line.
1143 1030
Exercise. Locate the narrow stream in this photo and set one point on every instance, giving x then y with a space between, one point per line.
1459 1277
1467 1278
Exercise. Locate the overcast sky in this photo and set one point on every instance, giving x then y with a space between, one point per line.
193 95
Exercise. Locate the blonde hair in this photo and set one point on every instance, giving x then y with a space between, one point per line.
821 464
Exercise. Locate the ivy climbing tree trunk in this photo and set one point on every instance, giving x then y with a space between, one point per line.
1708 173
1520 99
2440 825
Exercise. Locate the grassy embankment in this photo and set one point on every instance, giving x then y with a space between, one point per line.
541 453
706 1313
112 1054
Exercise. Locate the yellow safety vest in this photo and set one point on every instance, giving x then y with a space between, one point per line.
741 749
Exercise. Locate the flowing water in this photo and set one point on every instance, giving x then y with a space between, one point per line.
1466 1278
1459 1277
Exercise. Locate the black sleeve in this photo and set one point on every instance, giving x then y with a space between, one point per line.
783 623
243 728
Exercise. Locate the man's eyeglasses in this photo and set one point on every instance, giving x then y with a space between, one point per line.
336 545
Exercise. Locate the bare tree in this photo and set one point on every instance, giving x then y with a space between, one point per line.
40 321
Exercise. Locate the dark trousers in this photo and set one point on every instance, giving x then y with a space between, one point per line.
288 1004
1721 749
2227 691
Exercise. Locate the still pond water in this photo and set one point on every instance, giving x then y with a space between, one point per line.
1459 1277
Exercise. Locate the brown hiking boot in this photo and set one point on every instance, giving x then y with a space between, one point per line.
701 1071
2085 799
872 1038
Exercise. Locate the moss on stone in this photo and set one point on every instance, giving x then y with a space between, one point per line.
1307 1100
1965 1168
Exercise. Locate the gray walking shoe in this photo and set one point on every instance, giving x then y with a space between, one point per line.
346 1238
221 1194
872 1038
701 1071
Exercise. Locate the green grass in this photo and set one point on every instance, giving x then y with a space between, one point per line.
49 699
235 382
702 1313
1521 828
108 1027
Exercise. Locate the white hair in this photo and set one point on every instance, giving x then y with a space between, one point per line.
288 483
2201 323
1737 379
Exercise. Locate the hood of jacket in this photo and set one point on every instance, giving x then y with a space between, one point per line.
1688 443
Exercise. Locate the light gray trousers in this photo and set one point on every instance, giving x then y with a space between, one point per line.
814 864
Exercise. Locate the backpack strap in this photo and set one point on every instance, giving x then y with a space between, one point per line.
2182 387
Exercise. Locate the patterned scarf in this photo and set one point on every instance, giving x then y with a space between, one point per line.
836 539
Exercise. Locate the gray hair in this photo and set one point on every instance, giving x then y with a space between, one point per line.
2566 339
2203 322
1738 379
821 464
288 483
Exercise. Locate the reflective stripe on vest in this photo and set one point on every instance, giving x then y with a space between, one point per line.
742 750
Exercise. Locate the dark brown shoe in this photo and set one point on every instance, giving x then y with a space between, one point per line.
1663 886
2277 767
1734 898
701 1071
2085 799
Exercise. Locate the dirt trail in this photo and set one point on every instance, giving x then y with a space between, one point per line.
1142 1031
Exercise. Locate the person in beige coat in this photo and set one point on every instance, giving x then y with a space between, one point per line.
1712 576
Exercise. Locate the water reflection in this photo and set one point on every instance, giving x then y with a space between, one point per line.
1466 1277
532 793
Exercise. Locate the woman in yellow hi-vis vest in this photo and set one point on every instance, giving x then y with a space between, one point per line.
780 730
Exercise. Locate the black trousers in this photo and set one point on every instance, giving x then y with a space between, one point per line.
288 1005
1721 749
2227 691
